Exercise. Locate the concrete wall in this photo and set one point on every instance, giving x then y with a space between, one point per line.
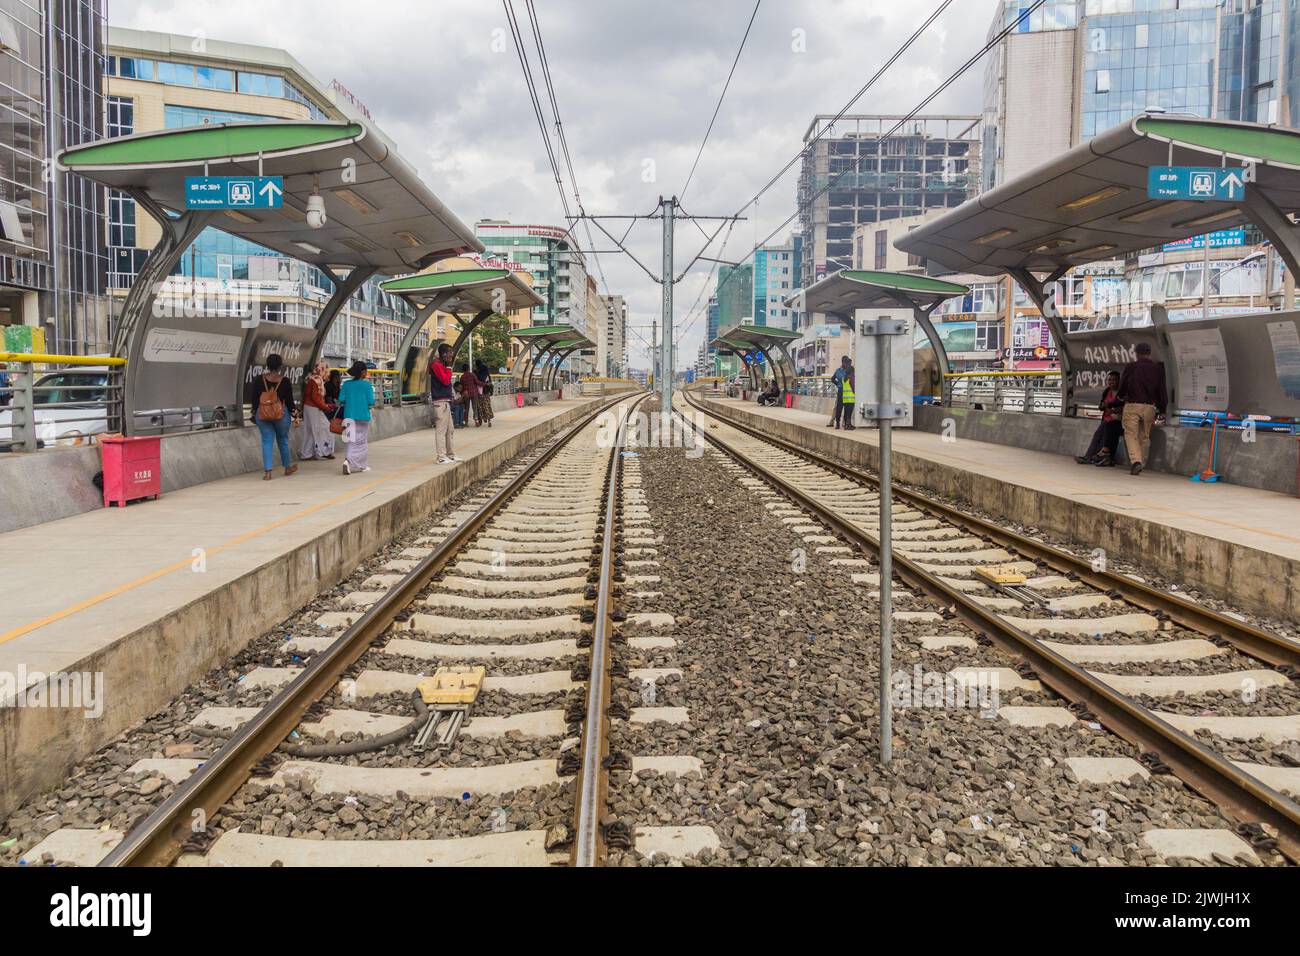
1251 579
57 483
150 666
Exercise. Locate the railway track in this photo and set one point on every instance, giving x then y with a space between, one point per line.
534 564
1132 657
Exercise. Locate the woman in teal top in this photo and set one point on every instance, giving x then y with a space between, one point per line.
357 397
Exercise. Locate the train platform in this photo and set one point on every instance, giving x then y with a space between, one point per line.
153 595
1227 541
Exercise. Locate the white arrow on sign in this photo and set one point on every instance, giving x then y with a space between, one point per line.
1234 184
271 191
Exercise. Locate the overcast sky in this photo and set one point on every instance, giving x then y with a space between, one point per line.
636 84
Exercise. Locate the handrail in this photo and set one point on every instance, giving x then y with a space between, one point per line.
31 358
1044 373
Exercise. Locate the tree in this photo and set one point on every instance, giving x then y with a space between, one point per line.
492 341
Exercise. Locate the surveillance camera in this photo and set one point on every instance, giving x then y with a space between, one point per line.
316 217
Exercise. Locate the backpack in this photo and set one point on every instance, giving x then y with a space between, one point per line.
269 406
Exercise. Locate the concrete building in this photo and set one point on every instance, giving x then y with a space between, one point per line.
558 267
615 307
596 331
735 295
53 260
164 81
778 273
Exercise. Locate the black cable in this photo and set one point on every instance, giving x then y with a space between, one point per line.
722 97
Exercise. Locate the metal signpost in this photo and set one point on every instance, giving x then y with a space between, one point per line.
1217 183
878 340
234 192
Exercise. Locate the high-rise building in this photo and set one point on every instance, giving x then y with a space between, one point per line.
158 81
53 261
777 274
558 266
735 295
851 175
615 335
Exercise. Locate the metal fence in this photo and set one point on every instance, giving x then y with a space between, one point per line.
53 400
1028 391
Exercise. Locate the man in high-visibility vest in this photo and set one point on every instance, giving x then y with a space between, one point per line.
837 385
847 398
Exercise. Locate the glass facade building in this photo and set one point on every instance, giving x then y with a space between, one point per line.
53 259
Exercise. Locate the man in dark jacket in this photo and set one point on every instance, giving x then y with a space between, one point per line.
1142 390
442 395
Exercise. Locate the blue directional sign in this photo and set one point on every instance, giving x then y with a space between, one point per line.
234 192
1225 184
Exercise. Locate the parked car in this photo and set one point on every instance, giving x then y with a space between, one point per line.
82 397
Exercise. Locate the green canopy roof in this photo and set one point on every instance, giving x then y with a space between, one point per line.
849 289
556 336
1091 202
470 290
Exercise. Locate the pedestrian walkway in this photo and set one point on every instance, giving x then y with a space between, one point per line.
1220 537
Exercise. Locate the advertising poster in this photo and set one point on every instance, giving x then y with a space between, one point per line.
1285 338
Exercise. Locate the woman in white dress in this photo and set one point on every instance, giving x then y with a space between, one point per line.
317 439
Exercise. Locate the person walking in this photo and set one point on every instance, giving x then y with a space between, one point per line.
1142 390
1105 440
470 391
274 416
484 376
357 396
837 382
848 400
442 395
317 439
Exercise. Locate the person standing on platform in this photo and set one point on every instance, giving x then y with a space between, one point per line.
1142 390
837 383
484 376
848 400
332 386
317 439
470 390
442 396
357 396
274 415
1105 440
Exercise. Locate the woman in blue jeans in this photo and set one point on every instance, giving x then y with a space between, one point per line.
273 411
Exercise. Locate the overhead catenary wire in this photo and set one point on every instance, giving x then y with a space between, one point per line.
721 97
975 58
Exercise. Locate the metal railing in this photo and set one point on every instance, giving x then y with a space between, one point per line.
387 382
68 401
1028 391
815 386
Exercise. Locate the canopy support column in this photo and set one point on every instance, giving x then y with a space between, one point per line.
467 330
344 288
1277 229
1037 292
554 370
177 235
423 312
537 360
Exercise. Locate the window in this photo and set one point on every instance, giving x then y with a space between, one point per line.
121 219
177 74
1140 37
120 118
882 247
212 78
175 117
130 68
1103 81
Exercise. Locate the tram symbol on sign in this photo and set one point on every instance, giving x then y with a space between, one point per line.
1202 184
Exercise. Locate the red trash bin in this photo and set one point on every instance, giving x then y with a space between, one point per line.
132 469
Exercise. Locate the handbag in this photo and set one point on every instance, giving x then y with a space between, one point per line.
336 423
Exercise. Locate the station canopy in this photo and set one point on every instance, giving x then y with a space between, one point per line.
380 214
553 337
467 290
842 292
747 338
1091 203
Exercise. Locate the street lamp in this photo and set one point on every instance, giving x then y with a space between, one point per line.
1205 283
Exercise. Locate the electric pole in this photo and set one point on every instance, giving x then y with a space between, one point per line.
669 209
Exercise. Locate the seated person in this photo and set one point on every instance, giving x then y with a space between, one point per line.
1105 440
459 406
770 395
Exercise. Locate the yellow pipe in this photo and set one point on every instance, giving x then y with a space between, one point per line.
19 358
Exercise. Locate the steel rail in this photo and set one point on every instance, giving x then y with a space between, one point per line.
1254 641
1241 796
593 776
157 840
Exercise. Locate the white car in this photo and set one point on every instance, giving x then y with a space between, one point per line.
81 395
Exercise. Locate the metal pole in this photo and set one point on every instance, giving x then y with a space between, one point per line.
884 387
668 207
1205 277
